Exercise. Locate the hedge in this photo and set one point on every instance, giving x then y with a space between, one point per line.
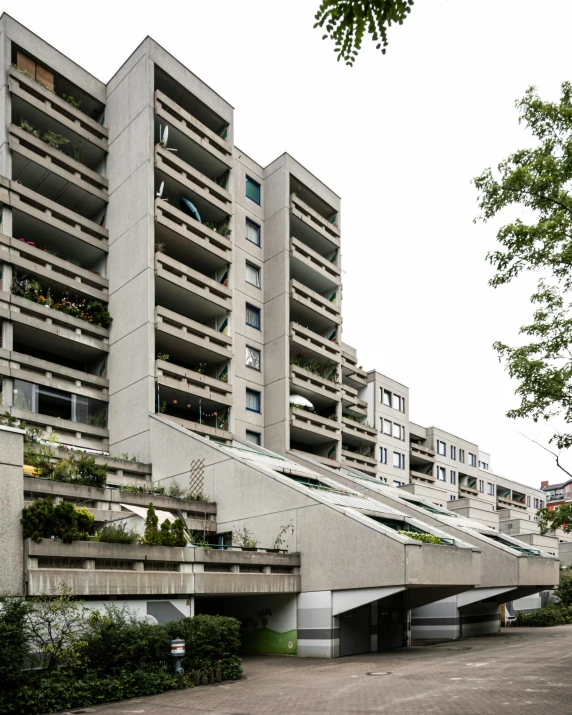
552 615
101 656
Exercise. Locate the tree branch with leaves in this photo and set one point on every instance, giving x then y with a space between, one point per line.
536 182
347 22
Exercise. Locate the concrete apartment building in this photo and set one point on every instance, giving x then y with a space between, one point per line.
224 351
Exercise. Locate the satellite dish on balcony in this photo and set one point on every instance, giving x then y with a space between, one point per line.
164 137
298 400
160 192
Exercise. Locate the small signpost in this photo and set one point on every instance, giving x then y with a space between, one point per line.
178 652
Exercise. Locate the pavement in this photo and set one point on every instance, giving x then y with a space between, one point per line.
518 671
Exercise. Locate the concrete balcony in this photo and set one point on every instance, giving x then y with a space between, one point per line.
311 428
190 241
70 433
421 477
359 461
465 491
316 345
508 503
57 109
101 569
357 432
312 386
213 202
182 336
352 402
51 270
194 294
312 228
351 372
36 216
421 452
54 175
309 307
184 122
215 433
310 268
42 372
193 383
47 329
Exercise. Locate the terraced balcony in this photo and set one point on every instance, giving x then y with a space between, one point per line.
310 428
180 336
421 477
315 388
310 268
354 432
359 461
352 402
310 308
317 346
312 228
191 382
352 374
220 435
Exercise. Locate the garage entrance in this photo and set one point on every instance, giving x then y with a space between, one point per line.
355 628
391 622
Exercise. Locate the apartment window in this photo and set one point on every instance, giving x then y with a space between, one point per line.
253 316
252 400
567 491
441 474
386 398
541 504
399 403
252 232
481 486
536 502
452 497
253 358
253 437
253 190
398 431
453 452
462 455
382 455
527 501
472 460
387 427
397 483
453 476
490 489
56 403
398 460
252 274
441 448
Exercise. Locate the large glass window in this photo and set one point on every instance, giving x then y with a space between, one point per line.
252 358
441 474
49 401
253 316
441 448
252 400
253 190
252 274
252 232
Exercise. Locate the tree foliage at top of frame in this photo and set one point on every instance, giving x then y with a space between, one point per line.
348 21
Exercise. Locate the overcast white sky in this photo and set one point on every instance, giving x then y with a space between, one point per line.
399 138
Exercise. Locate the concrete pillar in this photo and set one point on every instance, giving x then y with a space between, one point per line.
11 505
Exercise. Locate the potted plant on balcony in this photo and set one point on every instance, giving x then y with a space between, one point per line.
279 541
244 539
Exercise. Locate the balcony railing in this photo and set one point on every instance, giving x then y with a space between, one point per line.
193 382
313 260
359 461
67 276
189 125
312 341
465 491
24 367
32 315
202 429
57 163
419 450
422 477
197 283
29 202
351 371
56 108
507 502
193 231
70 433
329 429
314 220
94 568
315 301
189 177
314 383
190 331
357 429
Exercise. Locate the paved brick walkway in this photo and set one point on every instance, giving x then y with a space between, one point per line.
521 671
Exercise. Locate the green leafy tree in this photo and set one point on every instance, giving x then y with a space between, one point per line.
347 22
152 535
14 641
558 518
536 184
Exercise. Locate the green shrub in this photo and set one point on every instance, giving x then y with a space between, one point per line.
14 641
42 520
117 534
564 590
211 642
170 534
554 614
426 538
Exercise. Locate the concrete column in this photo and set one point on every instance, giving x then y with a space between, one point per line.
89 565
11 505
138 566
